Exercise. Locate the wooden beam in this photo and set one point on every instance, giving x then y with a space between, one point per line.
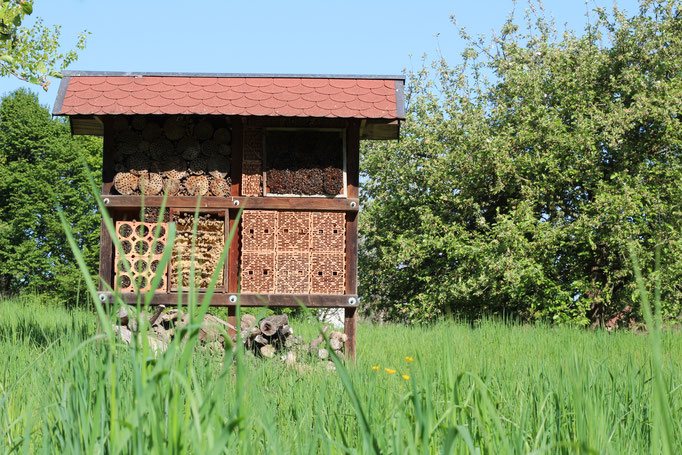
252 300
255 203
353 188
108 170
106 259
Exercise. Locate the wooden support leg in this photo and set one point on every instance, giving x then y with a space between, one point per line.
232 319
350 321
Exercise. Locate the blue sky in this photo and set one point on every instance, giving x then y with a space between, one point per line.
350 37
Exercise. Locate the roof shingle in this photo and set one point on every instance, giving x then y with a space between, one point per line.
305 96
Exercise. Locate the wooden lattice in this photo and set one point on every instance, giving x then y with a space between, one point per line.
259 229
293 231
137 240
258 272
293 273
328 232
209 245
327 273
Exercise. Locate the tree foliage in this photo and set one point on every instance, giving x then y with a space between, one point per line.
31 54
41 167
525 171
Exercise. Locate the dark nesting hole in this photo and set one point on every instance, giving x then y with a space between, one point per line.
141 247
142 231
124 281
125 230
141 282
123 265
154 266
335 273
140 266
127 246
158 248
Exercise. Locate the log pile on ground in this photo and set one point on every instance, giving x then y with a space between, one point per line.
271 337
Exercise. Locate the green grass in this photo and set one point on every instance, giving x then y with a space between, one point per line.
493 388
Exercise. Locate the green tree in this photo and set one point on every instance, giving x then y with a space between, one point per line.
31 54
40 169
525 171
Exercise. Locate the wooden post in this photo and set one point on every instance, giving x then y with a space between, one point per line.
353 180
235 190
106 245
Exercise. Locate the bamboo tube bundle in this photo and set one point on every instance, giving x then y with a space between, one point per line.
209 148
138 123
151 183
171 186
218 166
222 136
174 167
161 149
225 149
189 148
203 130
175 128
198 166
126 148
197 185
219 187
125 183
151 132
138 163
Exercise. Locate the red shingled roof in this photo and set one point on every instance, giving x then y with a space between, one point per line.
288 96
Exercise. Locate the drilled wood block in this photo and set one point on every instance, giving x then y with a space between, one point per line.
259 230
293 273
327 273
137 264
293 231
328 232
258 272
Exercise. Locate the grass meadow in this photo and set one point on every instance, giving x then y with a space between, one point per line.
492 387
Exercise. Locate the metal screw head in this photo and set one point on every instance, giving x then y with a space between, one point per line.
353 204
233 299
236 203
106 201
102 298
352 301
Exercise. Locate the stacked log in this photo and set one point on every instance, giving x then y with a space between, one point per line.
180 155
268 336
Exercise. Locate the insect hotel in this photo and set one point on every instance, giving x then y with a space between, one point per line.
284 148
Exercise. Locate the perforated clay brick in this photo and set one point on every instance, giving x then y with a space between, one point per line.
293 231
258 272
137 241
327 273
293 273
259 230
328 232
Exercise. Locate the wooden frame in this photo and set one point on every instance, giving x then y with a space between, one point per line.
347 203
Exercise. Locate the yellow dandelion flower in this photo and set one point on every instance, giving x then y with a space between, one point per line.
375 368
409 359
389 371
406 377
